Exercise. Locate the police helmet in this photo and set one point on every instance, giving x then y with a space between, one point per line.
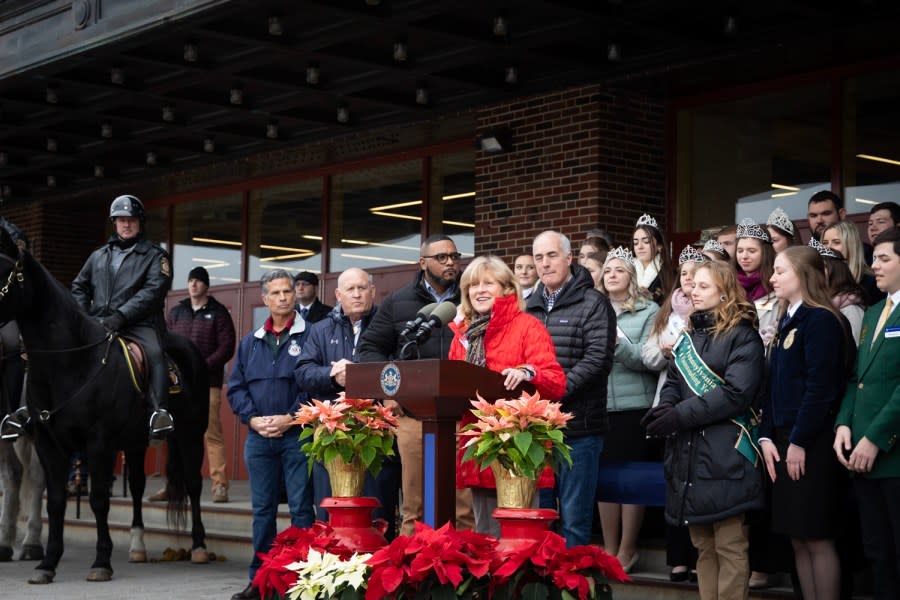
126 206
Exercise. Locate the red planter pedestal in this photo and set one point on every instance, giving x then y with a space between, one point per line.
523 526
351 520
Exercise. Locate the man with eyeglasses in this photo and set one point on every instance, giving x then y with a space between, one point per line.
436 281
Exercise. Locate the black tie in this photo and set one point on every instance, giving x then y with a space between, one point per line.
304 312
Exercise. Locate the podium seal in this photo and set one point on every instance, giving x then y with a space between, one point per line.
390 379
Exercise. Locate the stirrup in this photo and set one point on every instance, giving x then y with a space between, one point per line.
161 423
10 428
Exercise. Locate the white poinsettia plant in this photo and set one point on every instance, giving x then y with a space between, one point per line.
326 575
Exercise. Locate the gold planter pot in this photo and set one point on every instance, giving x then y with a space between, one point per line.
346 479
513 491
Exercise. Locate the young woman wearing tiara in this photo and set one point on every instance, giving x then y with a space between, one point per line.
754 258
846 294
653 264
781 230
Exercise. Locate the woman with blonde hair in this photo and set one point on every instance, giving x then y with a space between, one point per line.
809 365
711 467
630 389
492 331
844 237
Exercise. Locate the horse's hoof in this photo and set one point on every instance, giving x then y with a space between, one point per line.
6 553
199 556
32 552
42 577
137 556
100 574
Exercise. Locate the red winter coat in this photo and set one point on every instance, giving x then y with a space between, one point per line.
513 338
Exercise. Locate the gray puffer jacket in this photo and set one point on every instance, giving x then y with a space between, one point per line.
583 327
707 480
632 383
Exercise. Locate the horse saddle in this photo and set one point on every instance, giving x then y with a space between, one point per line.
136 359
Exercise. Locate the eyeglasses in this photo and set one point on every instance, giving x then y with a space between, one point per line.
444 257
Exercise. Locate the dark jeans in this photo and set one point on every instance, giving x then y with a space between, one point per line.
576 488
269 460
879 517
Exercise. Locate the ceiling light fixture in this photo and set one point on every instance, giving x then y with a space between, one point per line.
151 159
204 240
401 52
52 94
613 52
511 75
52 145
312 73
98 170
729 26
106 130
117 75
51 181
236 95
343 114
168 113
191 53
275 27
272 130
864 201
209 145
501 27
422 95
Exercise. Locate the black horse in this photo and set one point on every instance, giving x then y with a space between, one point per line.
81 397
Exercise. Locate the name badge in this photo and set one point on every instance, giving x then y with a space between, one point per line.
891 332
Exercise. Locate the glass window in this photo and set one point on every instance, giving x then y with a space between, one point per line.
207 233
453 199
743 158
286 228
376 216
871 132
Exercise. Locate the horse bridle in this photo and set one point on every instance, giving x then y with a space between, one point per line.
16 274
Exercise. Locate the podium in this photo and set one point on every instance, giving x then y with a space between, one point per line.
437 393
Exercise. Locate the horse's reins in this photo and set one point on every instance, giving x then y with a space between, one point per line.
17 275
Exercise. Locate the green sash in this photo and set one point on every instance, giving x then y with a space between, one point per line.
702 380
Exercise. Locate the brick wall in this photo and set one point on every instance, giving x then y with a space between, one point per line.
581 157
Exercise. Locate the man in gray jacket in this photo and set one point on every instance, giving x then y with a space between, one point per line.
582 324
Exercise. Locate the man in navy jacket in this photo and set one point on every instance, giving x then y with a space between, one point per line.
321 371
263 393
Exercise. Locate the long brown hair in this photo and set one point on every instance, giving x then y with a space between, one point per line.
809 267
658 245
735 308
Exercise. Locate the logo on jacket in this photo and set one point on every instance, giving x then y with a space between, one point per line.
390 379
789 340
294 350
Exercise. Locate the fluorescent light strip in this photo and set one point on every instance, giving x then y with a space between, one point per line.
380 245
228 279
215 241
864 201
390 260
398 205
779 186
286 248
287 256
782 194
457 196
879 159
459 224
312 237
395 215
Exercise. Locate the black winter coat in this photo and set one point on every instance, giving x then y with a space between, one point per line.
582 324
381 340
329 340
211 329
707 480
137 290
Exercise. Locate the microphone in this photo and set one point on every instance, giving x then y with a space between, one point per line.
441 315
420 318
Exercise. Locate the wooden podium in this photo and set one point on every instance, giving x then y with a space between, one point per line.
437 393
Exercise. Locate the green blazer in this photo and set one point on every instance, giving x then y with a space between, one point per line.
871 405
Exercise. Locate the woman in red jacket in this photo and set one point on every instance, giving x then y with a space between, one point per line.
492 331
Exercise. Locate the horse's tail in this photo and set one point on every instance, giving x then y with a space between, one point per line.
190 410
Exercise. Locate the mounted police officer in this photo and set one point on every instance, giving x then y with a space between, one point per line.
124 284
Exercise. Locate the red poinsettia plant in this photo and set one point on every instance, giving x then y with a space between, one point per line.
432 563
548 569
273 578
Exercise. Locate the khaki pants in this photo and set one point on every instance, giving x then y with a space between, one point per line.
409 444
723 565
215 443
